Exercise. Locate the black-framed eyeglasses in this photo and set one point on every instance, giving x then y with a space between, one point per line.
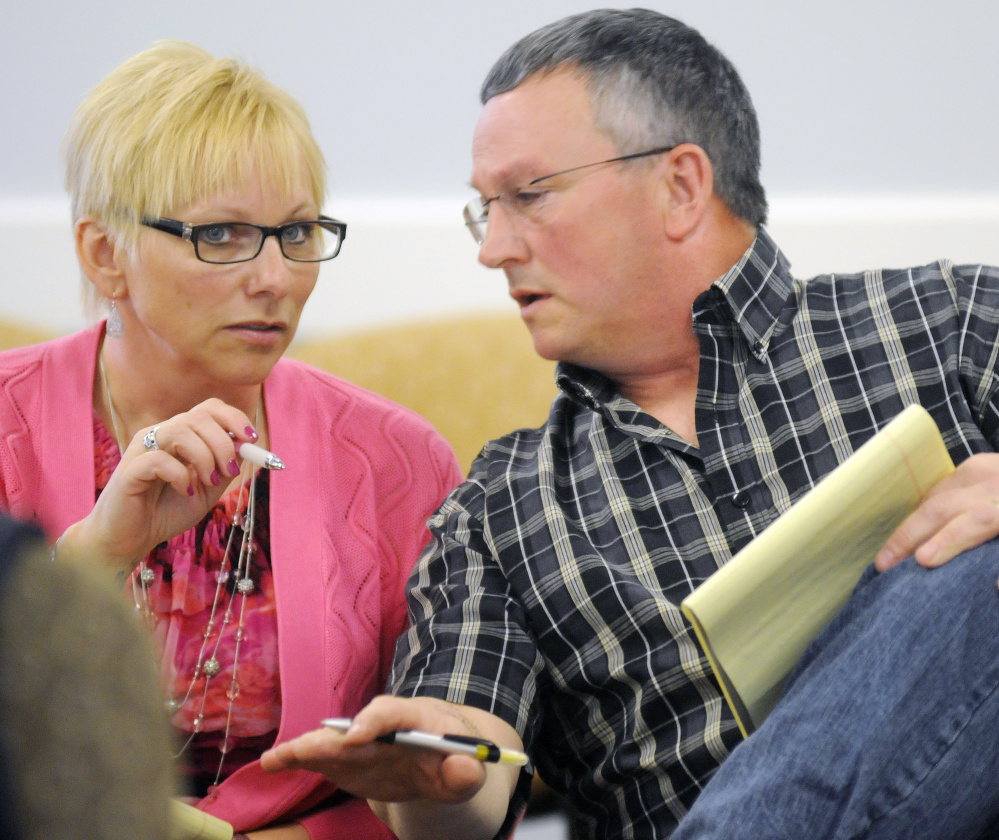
525 202
222 243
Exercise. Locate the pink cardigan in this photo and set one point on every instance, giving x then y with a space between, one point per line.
348 520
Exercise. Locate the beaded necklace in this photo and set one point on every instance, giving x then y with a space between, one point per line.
207 663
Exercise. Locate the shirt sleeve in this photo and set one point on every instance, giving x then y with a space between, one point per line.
977 294
469 641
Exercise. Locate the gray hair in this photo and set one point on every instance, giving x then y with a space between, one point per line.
653 81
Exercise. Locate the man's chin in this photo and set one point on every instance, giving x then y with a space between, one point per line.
548 346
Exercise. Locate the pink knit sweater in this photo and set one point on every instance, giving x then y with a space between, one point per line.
348 520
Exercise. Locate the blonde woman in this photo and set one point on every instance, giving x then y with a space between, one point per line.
274 596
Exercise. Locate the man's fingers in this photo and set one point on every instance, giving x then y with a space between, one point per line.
917 528
975 526
389 773
319 744
936 534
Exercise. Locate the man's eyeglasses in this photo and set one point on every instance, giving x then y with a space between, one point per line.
525 202
235 242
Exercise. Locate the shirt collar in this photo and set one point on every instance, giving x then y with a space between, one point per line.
585 386
755 290
599 394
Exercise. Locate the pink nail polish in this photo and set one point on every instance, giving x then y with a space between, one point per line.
251 433
233 467
190 489
216 478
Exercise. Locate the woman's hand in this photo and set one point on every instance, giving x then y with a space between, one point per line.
157 493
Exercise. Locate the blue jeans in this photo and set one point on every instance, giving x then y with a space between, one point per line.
889 727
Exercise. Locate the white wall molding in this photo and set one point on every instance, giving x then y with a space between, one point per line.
408 258
821 234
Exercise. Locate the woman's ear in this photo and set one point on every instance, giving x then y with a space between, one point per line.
689 185
101 259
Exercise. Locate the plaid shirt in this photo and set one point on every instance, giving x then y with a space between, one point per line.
550 593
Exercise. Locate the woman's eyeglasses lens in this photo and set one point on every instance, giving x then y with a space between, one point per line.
234 242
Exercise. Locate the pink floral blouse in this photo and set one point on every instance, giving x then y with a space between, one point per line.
181 596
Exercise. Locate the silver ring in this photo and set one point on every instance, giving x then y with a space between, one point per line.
149 439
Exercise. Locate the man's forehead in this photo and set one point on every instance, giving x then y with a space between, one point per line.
542 123
503 164
540 103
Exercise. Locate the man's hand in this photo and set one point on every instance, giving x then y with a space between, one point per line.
371 770
433 790
960 512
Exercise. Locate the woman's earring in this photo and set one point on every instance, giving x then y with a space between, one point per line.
115 326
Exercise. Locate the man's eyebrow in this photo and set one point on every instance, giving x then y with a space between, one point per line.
512 179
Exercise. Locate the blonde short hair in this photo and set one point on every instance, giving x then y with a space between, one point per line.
174 125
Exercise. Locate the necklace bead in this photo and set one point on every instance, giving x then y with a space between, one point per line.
145 576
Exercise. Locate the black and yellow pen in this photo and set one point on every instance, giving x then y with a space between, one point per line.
478 748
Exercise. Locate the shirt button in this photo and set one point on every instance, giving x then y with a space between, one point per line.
741 499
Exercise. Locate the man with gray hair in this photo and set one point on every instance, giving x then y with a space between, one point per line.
704 389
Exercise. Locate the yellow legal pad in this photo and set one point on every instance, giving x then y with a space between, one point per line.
756 615
188 823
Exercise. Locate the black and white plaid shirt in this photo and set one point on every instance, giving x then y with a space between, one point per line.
550 594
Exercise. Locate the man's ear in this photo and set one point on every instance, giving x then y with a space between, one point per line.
689 185
100 258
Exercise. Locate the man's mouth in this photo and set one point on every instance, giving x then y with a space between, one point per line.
527 298
257 327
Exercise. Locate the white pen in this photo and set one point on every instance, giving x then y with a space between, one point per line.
259 456
478 748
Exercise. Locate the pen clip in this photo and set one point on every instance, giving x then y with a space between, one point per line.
472 742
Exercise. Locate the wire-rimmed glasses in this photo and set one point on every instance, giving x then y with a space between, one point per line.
525 202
